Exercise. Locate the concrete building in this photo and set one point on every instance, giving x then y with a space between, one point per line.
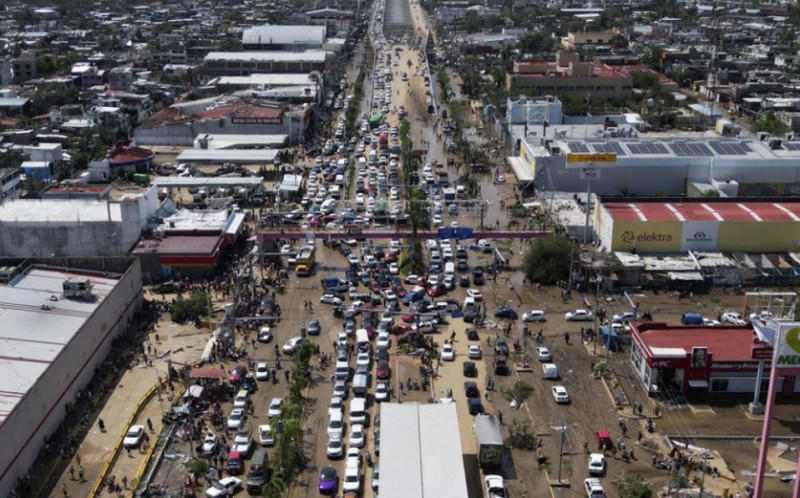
9 183
534 111
580 39
53 339
698 164
74 227
283 37
664 225
179 124
701 361
244 63
25 67
278 87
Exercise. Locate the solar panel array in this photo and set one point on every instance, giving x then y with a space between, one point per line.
647 148
690 149
578 147
730 148
791 145
610 148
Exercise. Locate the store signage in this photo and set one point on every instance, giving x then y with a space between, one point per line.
590 174
788 346
734 365
660 363
591 158
763 353
256 121
628 236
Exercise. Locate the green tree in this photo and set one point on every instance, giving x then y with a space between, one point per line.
517 393
191 309
198 467
521 436
276 486
635 486
547 260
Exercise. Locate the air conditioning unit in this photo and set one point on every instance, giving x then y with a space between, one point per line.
80 288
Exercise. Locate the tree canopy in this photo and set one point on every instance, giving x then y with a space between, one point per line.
547 260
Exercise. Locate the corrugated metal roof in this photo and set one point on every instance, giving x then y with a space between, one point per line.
283 35
421 452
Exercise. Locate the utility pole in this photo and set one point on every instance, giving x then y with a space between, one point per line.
596 309
703 475
561 450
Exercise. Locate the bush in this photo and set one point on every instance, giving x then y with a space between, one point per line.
521 436
184 310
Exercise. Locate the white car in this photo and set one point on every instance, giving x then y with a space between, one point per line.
262 371
209 443
560 394
133 437
437 219
412 279
330 299
597 464
358 438
763 315
335 448
362 359
236 419
265 335
543 353
335 406
353 259
733 318
475 294
708 322
335 427
484 245
495 487
500 179
265 436
384 340
292 345
394 269
274 410
221 487
474 352
352 478
388 295
448 353
243 442
286 249
578 316
534 316
594 488
381 392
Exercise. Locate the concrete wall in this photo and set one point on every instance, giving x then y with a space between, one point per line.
184 134
40 412
21 239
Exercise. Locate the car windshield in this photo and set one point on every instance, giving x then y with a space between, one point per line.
133 433
219 485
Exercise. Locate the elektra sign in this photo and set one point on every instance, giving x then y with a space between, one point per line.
628 236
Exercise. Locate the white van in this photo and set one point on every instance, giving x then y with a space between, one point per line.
358 411
449 268
373 157
362 338
342 370
336 192
550 371
360 385
339 180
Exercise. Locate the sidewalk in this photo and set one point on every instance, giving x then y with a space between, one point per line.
183 344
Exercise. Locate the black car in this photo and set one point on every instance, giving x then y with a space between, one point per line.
507 312
472 334
477 276
249 384
462 265
475 406
470 370
463 281
471 389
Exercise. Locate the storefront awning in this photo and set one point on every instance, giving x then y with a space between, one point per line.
521 169
698 383
206 373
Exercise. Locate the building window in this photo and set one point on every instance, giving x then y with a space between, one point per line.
719 385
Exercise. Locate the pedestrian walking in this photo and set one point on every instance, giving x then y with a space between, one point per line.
102 425
71 473
655 460
286 374
81 474
586 447
150 425
639 436
125 482
486 394
64 489
500 416
78 459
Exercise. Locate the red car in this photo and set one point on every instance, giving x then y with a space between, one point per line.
382 370
391 256
399 329
237 374
437 290
399 290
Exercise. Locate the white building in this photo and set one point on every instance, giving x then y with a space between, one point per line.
283 37
73 227
51 345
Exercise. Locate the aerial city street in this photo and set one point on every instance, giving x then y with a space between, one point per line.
400 248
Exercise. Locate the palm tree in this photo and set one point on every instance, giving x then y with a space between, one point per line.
276 486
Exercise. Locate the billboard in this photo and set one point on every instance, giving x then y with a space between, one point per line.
787 346
758 236
699 236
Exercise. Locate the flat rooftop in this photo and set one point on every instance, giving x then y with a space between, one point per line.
723 343
269 56
179 244
702 210
258 156
31 337
59 210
